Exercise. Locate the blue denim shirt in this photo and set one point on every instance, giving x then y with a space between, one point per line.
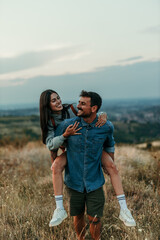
84 152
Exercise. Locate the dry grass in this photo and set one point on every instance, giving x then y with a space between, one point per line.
27 196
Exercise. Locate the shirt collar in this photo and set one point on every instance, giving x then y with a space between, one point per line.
92 124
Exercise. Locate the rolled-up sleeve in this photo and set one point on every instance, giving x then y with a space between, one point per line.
109 143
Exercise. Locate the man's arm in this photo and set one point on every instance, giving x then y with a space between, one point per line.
109 143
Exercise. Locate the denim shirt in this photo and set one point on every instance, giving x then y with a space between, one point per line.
84 152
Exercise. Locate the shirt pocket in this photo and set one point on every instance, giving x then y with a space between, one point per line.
75 143
97 145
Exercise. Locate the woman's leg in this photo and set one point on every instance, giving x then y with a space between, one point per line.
110 167
57 168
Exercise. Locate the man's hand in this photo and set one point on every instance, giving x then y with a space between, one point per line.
72 130
102 119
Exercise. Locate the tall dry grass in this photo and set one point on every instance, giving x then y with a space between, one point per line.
27 196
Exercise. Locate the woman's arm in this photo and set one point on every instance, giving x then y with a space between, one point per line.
54 142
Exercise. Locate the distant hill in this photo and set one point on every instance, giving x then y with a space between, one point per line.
19 112
134 122
114 108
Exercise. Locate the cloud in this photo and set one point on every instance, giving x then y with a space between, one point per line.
138 80
131 59
151 30
35 59
15 82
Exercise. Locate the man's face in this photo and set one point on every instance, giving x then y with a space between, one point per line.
84 107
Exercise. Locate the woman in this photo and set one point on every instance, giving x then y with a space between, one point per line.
52 113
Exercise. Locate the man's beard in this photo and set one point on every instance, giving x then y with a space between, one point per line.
84 115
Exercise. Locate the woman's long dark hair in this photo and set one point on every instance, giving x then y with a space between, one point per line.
45 112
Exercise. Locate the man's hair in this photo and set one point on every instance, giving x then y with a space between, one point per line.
95 98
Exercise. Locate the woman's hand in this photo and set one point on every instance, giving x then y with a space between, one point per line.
102 119
72 130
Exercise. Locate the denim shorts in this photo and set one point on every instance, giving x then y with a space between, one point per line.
92 201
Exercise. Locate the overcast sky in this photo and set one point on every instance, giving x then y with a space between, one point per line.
112 47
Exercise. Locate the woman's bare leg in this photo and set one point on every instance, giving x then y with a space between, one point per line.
57 169
110 167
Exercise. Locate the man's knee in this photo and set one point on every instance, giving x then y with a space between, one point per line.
79 217
94 220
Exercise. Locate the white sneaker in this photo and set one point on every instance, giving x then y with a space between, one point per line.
126 216
58 216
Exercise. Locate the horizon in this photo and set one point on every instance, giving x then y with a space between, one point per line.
31 105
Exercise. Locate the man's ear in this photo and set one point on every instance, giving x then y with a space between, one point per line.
94 108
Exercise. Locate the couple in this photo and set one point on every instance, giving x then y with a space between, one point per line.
89 147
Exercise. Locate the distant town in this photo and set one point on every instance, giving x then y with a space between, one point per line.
135 121
141 111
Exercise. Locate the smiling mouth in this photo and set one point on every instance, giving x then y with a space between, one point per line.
80 111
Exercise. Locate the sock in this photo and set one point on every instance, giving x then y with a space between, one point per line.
59 201
122 201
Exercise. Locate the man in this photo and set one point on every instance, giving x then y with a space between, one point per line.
83 173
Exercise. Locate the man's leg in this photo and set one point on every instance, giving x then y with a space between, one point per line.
57 168
110 167
77 209
79 225
95 227
95 204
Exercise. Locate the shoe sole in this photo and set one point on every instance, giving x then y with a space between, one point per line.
56 224
126 223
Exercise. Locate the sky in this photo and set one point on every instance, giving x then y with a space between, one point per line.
110 47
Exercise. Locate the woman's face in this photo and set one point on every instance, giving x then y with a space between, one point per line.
55 103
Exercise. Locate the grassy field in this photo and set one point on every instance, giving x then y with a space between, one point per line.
27 200
18 130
